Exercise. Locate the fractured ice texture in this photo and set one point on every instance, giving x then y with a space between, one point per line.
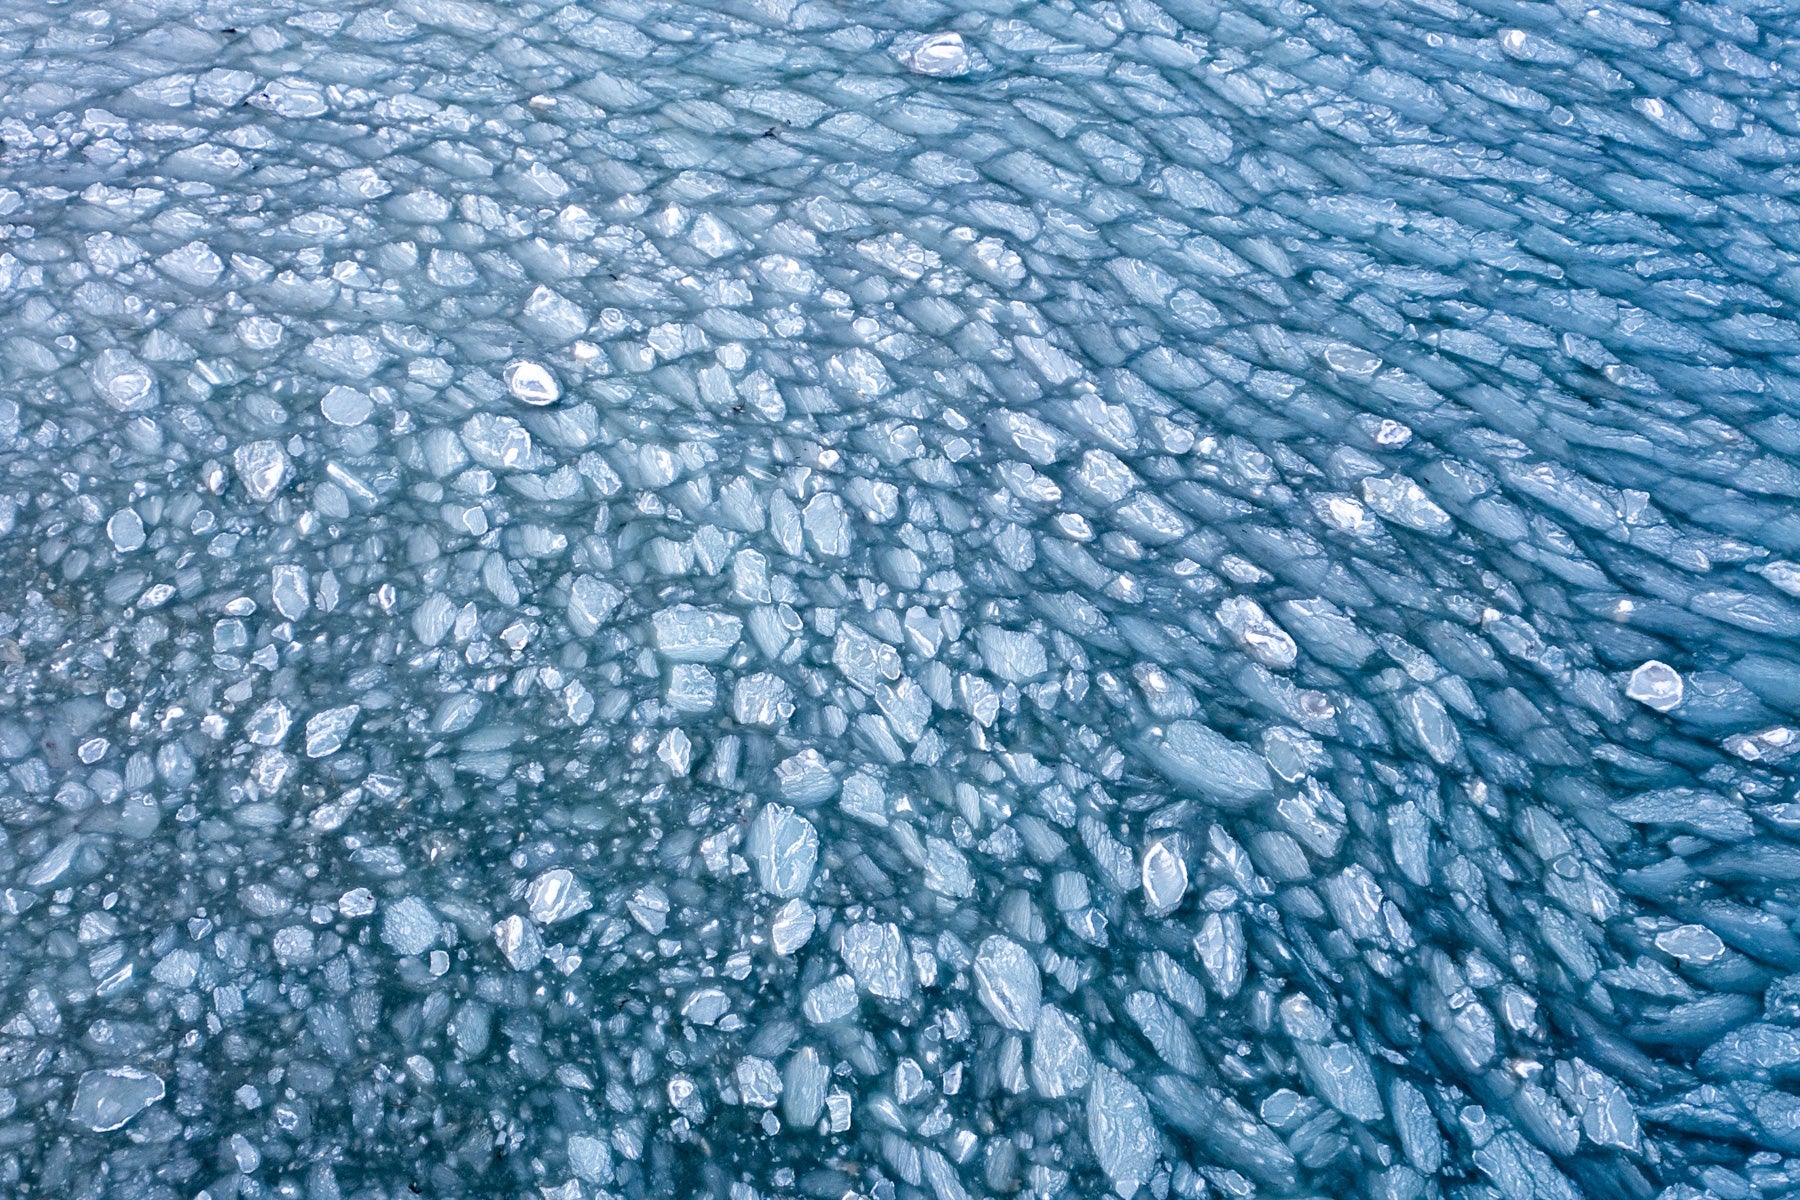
899 600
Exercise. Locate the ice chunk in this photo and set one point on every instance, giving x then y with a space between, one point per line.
803 1083
1656 685
124 382
875 954
1261 638
1165 875
941 55
1010 654
108 1099
590 1158
262 468
1121 1131
326 731
125 529
1342 1077
792 927
290 587
758 1083
704 1006
762 701
409 926
532 383
519 943
1204 761
805 778
830 1001
785 847
556 895
1007 981
1061 1064
346 406
686 634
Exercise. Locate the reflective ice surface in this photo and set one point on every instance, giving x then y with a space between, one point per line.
899 600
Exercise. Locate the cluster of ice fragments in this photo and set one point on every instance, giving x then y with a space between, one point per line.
776 599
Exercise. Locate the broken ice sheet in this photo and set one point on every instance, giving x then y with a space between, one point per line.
1154 599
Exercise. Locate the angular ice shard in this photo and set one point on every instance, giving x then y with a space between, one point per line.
262 467
518 941
108 1099
124 382
874 953
556 895
1061 1064
785 847
1121 1131
1008 984
1165 875
1202 760
409 926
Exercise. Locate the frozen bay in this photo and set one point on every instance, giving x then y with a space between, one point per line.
779 599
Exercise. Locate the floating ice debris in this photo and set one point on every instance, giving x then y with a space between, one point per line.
1121 1131
1008 983
1165 876
939 54
108 1099
346 406
532 383
785 847
409 926
126 530
556 895
1168 600
1657 685
262 468
518 941
124 382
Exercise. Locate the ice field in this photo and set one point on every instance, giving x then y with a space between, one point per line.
894 600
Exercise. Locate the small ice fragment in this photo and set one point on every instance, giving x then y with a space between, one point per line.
792 927
126 530
346 406
409 926
940 55
1120 1131
1262 639
532 383
704 1006
876 955
1007 981
686 634
1202 760
555 896
263 468
1691 943
1061 1063
786 848
758 1083
519 942
1656 685
107 1100
1165 876
123 381
326 731
288 586
830 1001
